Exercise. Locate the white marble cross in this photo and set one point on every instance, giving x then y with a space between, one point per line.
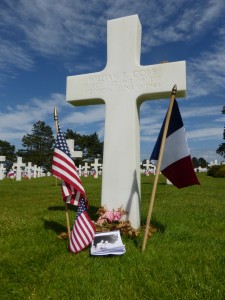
74 154
35 171
2 158
2 168
2 171
85 168
18 165
96 164
28 169
39 171
79 169
146 165
122 86
149 166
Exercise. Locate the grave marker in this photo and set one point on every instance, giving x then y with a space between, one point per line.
122 86
18 165
28 169
74 154
96 165
2 171
85 168
35 171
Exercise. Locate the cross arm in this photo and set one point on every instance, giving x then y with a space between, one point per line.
86 89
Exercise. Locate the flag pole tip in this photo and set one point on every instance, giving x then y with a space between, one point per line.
174 90
55 114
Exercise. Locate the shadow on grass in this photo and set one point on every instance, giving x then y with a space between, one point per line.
151 183
159 226
56 208
54 226
92 210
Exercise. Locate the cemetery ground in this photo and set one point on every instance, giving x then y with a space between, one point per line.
184 259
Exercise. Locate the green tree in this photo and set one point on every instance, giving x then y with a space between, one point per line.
202 162
38 146
8 150
91 146
221 149
195 162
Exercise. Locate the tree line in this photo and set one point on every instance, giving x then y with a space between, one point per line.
38 146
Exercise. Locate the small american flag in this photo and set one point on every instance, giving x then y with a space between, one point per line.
63 167
83 230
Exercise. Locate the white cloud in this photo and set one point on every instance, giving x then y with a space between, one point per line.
205 133
87 115
17 122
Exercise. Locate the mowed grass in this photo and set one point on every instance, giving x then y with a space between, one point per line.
185 259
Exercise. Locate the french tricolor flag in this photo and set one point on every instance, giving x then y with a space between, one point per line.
176 161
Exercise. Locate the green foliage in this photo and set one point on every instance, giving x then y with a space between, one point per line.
8 150
199 162
217 171
184 260
38 145
221 149
91 146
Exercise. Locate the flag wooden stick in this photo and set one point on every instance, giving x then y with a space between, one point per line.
66 207
173 94
56 128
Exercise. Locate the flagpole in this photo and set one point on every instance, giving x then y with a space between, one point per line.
56 128
172 98
66 207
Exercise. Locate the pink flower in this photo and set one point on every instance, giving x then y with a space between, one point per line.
109 215
117 215
101 221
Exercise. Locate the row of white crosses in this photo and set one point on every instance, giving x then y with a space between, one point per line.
149 168
83 170
20 168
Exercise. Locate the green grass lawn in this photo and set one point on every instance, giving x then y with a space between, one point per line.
185 259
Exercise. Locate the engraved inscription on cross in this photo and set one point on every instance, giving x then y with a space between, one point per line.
122 86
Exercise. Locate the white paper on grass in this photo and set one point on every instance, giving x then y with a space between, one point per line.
106 243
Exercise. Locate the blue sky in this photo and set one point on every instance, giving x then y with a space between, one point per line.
44 41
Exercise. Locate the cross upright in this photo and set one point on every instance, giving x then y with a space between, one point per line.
86 167
2 171
96 164
19 164
122 86
35 171
28 169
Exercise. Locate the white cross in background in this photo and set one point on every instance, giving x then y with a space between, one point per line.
96 165
18 165
74 154
85 168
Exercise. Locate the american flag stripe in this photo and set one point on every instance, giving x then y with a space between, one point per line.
71 175
69 179
82 234
62 165
70 195
61 157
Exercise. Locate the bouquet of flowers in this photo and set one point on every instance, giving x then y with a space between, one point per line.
113 220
